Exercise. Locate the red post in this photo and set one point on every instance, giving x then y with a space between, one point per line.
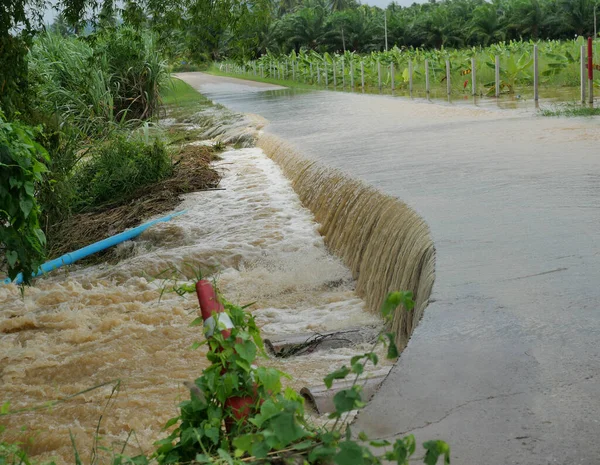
214 315
210 306
590 59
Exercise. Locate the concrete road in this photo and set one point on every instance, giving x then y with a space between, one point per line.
505 363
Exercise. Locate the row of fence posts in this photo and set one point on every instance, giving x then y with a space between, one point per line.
275 71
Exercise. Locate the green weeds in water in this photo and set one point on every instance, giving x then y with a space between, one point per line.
15 453
572 110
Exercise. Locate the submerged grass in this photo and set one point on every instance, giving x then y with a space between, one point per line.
571 110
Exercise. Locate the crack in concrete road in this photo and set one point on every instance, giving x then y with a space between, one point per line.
537 274
450 412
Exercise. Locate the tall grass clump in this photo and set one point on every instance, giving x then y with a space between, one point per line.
117 168
70 85
110 80
136 71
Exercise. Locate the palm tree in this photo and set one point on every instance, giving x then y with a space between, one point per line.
285 6
339 5
529 17
439 29
308 27
360 29
577 16
486 26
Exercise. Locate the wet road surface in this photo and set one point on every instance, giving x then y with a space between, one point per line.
505 363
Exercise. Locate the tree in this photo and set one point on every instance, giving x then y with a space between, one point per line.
361 30
13 50
309 26
439 29
486 26
529 18
577 17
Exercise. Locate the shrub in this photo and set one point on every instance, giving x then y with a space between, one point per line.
13 73
117 168
97 84
22 162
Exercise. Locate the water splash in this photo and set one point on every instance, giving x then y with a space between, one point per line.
385 243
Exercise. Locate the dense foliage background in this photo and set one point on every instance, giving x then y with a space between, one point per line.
245 29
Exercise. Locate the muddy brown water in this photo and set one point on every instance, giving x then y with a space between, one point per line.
505 363
82 327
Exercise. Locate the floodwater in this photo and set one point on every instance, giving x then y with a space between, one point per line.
505 363
91 325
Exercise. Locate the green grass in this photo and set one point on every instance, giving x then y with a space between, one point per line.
571 110
180 93
182 100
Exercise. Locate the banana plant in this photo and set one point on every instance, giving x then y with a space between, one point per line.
513 71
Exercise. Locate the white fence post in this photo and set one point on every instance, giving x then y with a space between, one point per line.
427 77
590 71
497 76
343 74
326 76
379 73
536 74
583 74
448 83
334 75
393 77
352 74
410 77
362 75
473 77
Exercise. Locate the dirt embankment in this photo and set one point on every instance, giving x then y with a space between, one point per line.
191 172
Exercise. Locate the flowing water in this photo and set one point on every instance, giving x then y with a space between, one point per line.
384 242
89 325
504 363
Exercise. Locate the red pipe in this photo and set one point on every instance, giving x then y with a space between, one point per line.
209 307
590 59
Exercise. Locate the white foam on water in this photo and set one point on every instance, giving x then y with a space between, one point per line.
86 325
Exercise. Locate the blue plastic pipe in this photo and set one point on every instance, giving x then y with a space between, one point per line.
91 249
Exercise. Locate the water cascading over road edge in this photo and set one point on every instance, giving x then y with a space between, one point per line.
386 244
